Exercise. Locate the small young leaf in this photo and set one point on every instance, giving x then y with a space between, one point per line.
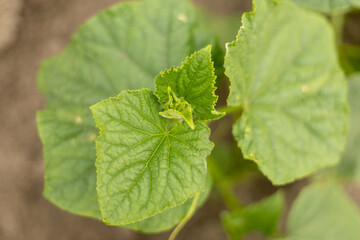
293 93
323 211
262 216
349 167
123 47
145 164
194 81
178 108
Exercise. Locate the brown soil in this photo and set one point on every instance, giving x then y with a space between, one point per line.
9 18
44 29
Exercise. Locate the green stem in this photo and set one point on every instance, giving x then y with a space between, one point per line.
224 186
183 222
228 195
230 109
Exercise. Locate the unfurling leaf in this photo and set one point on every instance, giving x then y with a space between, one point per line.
193 82
178 108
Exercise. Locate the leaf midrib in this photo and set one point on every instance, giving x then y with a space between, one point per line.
146 165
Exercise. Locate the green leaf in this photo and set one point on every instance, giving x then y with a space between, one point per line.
355 3
178 108
145 164
228 163
323 211
262 216
172 216
350 58
349 167
226 26
292 91
205 35
194 81
123 47
70 179
328 6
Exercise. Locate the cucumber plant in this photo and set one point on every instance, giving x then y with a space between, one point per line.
125 130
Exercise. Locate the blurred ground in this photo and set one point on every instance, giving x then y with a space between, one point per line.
9 18
31 30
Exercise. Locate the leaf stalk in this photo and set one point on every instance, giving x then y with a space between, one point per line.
183 222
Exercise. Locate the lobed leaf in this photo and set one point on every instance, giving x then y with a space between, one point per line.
292 91
194 81
145 164
123 47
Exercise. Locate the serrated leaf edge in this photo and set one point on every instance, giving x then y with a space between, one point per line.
99 126
208 48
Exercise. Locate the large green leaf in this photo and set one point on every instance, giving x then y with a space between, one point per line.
323 211
350 164
69 136
123 47
146 163
262 216
328 6
195 82
172 216
292 91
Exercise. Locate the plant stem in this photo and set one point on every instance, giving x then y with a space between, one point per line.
227 192
183 222
224 186
230 109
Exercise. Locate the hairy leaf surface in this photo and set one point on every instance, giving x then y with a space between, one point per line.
123 47
195 82
323 211
292 91
145 164
262 216
178 108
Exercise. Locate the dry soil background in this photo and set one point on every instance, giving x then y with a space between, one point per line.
30 31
